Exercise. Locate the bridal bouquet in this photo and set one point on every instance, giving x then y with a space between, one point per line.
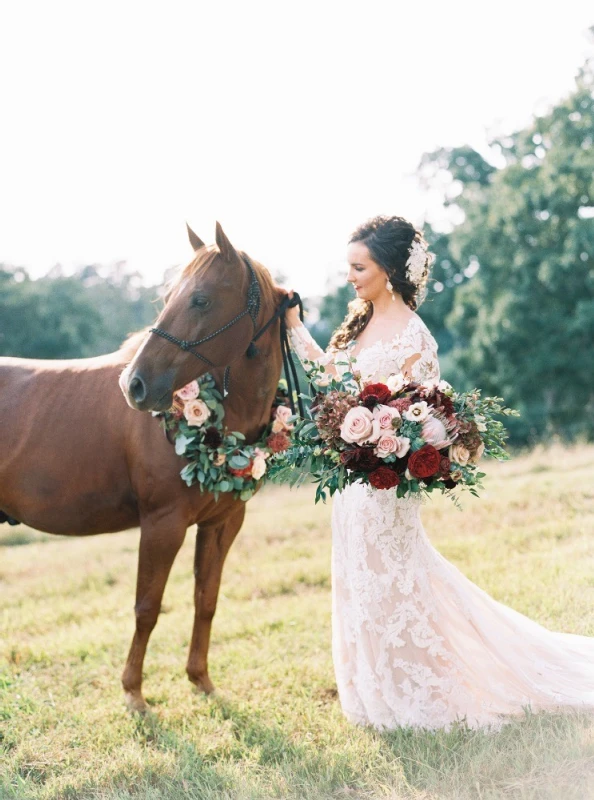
396 434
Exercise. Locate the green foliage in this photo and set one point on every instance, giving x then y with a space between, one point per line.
193 442
522 322
45 319
55 316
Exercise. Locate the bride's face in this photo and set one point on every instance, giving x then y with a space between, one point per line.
367 277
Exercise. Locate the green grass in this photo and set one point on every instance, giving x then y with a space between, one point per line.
274 728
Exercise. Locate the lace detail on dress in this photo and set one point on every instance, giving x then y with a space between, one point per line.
414 347
306 348
414 642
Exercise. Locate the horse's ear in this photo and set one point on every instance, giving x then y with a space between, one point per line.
195 241
227 250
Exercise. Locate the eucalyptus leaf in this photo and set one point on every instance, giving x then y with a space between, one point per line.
181 444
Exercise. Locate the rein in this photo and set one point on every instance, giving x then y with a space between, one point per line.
252 308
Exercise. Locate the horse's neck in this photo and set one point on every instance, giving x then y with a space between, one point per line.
252 388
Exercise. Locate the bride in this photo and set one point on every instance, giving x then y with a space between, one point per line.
415 642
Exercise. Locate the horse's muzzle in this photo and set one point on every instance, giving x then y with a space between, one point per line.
144 397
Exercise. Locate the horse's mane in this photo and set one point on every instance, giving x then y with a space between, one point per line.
130 345
203 260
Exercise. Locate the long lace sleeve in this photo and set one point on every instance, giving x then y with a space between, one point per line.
307 349
418 353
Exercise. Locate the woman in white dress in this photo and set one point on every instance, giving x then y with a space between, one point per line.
415 642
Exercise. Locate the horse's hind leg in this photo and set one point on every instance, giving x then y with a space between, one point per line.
212 545
160 540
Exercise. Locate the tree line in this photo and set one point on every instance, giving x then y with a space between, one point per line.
85 314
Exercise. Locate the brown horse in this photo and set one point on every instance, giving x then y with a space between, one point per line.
75 459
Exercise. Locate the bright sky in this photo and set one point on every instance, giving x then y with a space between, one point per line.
289 122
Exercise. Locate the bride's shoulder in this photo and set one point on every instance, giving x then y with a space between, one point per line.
416 328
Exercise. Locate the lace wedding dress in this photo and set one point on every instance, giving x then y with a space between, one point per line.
415 642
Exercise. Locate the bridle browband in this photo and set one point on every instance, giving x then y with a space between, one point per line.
252 308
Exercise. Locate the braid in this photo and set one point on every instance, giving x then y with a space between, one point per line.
358 315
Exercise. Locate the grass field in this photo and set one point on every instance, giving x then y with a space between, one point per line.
274 728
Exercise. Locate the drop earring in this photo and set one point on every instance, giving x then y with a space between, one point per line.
390 288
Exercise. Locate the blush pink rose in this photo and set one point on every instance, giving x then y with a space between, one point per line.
385 415
189 392
357 425
389 443
281 416
434 432
386 444
459 454
283 413
402 446
376 432
196 412
258 467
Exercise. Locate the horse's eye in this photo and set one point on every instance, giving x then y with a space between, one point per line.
201 302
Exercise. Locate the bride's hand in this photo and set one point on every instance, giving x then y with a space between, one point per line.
292 314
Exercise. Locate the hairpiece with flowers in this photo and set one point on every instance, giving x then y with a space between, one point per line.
415 265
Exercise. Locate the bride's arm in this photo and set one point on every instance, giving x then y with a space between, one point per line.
305 346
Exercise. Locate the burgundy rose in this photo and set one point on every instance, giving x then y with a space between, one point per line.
375 393
278 442
424 462
212 437
384 478
360 458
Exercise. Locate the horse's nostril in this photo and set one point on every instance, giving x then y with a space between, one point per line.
137 389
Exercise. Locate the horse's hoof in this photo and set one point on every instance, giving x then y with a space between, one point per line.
203 684
135 702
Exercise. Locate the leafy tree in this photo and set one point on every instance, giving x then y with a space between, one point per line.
45 318
71 317
125 305
523 324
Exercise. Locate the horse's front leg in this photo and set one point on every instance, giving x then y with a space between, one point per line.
212 545
161 536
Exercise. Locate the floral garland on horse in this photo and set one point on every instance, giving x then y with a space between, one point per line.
218 460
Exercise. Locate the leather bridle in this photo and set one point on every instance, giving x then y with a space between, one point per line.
252 309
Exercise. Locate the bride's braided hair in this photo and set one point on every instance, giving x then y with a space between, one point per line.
388 240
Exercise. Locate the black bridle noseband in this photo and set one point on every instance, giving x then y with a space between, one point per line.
253 309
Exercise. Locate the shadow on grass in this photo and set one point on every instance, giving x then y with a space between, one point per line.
260 761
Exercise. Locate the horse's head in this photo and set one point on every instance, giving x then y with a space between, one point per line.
211 310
